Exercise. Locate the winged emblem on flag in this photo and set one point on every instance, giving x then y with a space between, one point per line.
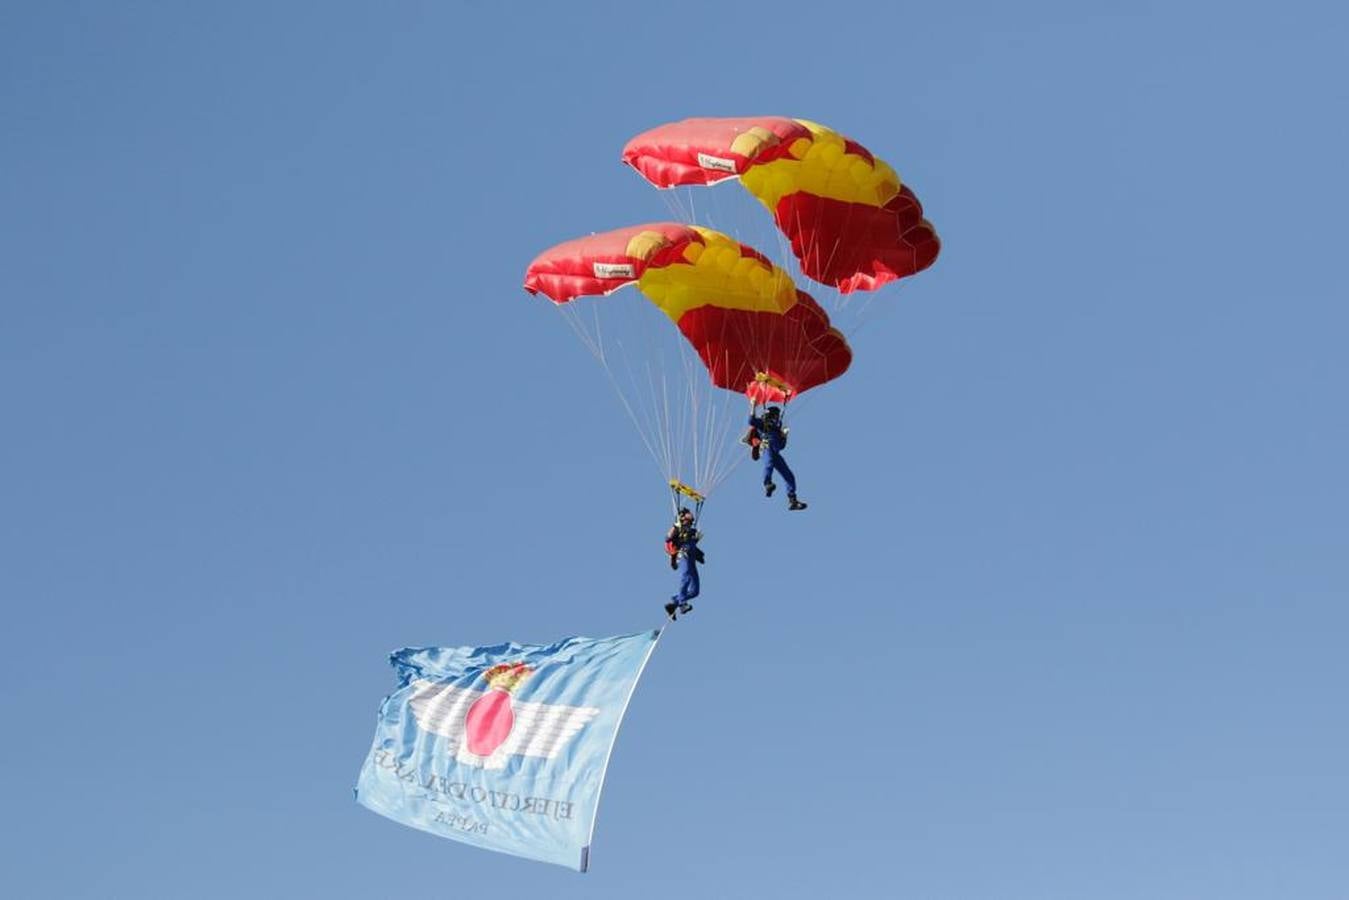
486 728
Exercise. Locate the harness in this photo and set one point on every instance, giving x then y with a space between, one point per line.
684 536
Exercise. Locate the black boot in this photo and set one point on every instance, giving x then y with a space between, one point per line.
670 610
685 608
768 488
794 504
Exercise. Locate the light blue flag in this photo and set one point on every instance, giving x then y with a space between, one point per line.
504 747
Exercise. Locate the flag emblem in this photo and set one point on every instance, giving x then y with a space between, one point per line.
486 728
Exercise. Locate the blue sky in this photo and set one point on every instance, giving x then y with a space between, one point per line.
1065 618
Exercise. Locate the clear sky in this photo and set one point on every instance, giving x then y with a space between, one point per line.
1066 617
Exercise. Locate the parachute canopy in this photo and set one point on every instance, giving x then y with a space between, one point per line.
851 223
750 325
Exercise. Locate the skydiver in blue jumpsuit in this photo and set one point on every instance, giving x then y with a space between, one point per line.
767 435
681 543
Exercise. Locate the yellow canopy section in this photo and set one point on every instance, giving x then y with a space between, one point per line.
823 165
718 272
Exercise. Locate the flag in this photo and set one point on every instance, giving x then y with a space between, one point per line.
503 747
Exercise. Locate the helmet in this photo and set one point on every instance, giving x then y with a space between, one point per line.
685 511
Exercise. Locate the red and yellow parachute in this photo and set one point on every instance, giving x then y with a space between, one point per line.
851 223
752 328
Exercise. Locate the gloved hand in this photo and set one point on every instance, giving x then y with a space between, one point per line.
699 557
674 561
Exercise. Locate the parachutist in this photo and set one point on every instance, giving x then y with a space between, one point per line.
681 543
772 440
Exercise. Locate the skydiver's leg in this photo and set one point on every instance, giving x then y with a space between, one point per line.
768 485
688 582
787 477
689 589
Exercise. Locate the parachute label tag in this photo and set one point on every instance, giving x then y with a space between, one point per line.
615 270
716 162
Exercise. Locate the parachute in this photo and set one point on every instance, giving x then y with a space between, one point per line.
852 224
752 330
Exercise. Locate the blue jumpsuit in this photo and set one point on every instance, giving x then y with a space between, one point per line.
773 443
686 544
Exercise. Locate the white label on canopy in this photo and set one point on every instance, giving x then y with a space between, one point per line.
615 270
716 162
